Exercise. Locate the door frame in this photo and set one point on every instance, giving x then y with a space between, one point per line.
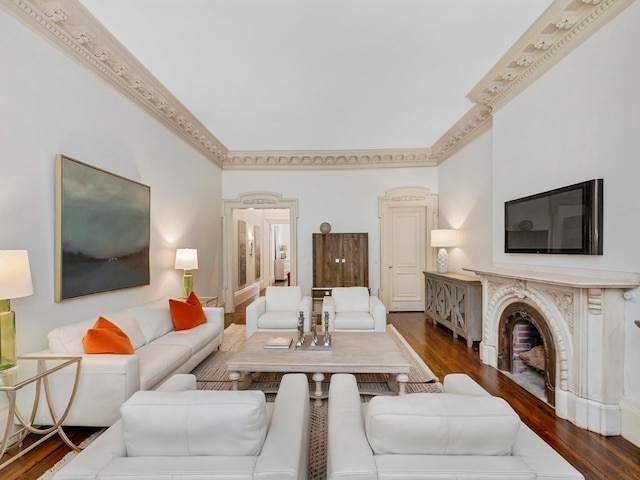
401 198
262 200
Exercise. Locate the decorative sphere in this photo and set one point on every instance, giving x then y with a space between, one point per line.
325 227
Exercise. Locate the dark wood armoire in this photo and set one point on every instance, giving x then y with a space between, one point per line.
340 260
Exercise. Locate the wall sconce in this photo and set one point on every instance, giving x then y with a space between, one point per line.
443 239
187 260
15 282
251 248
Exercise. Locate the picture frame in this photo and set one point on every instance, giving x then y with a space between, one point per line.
102 231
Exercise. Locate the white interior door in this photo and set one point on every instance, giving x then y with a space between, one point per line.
407 257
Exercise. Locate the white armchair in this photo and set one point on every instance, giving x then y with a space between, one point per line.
351 309
278 310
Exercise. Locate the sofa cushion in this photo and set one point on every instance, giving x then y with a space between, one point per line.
187 314
441 424
67 340
124 319
351 299
278 320
153 318
158 361
283 299
193 423
105 337
195 338
354 321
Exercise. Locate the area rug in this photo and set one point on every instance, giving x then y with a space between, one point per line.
212 374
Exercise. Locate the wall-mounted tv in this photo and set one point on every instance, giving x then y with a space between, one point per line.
565 220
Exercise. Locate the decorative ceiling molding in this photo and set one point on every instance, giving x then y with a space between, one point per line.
561 28
70 27
326 159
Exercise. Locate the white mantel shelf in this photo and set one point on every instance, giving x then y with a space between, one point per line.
580 279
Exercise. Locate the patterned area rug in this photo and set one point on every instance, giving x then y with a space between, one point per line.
212 374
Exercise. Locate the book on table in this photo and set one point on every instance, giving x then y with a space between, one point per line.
279 342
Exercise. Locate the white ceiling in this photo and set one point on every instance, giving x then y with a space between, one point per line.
320 74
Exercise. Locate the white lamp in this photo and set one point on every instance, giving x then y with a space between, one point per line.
187 260
15 282
443 238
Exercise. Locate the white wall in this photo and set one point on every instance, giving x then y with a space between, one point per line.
579 121
465 183
347 199
51 105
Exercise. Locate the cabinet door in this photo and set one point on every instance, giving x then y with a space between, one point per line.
327 266
355 260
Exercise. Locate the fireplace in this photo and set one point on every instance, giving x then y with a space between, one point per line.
579 317
522 330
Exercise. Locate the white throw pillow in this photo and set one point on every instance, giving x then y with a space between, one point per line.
154 318
351 299
441 424
194 422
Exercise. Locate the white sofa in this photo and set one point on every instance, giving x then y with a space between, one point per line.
463 433
352 309
208 434
278 311
107 380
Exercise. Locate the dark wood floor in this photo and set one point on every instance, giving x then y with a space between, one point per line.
597 457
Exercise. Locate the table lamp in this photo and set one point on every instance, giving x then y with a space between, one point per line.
443 238
15 282
187 260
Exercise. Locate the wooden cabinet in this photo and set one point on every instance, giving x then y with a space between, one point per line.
340 260
455 301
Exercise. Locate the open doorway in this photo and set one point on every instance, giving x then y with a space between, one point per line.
259 231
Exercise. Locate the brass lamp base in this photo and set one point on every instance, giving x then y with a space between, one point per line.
7 336
187 284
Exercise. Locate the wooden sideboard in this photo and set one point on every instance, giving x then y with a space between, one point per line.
455 301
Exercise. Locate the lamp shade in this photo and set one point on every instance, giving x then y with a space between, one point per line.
444 238
15 274
186 259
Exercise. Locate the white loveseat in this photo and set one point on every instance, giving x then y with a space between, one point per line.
352 309
107 380
202 434
463 433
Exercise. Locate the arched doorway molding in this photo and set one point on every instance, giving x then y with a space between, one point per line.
257 200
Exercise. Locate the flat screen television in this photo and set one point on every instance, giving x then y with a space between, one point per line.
565 220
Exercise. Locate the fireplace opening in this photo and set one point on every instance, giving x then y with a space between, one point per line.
527 353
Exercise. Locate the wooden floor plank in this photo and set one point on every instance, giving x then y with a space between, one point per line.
597 457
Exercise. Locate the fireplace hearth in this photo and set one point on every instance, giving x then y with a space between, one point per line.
579 316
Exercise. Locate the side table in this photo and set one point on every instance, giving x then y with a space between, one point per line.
35 370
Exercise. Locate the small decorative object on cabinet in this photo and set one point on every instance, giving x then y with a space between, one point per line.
455 301
325 227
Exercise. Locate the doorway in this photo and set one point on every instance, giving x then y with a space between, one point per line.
406 215
249 246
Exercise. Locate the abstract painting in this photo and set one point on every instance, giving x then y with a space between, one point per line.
102 230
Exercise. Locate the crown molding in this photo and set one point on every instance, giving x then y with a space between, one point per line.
328 159
562 27
70 27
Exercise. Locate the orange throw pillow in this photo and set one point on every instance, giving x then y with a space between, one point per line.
105 337
187 314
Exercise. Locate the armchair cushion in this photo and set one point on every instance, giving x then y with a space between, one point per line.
281 299
441 424
194 423
351 299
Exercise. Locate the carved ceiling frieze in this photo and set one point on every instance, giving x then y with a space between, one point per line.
70 27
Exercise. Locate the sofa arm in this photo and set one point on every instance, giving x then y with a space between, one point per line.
105 382
379 313
306 307
253 311
462 384
285 452
329 305
348 452
214 315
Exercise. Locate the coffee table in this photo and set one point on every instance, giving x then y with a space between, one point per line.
350 353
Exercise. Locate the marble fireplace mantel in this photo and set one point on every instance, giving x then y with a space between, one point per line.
585 310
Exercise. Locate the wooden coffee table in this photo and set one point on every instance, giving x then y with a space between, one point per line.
350 353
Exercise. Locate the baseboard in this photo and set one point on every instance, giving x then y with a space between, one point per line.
246 293
630 420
